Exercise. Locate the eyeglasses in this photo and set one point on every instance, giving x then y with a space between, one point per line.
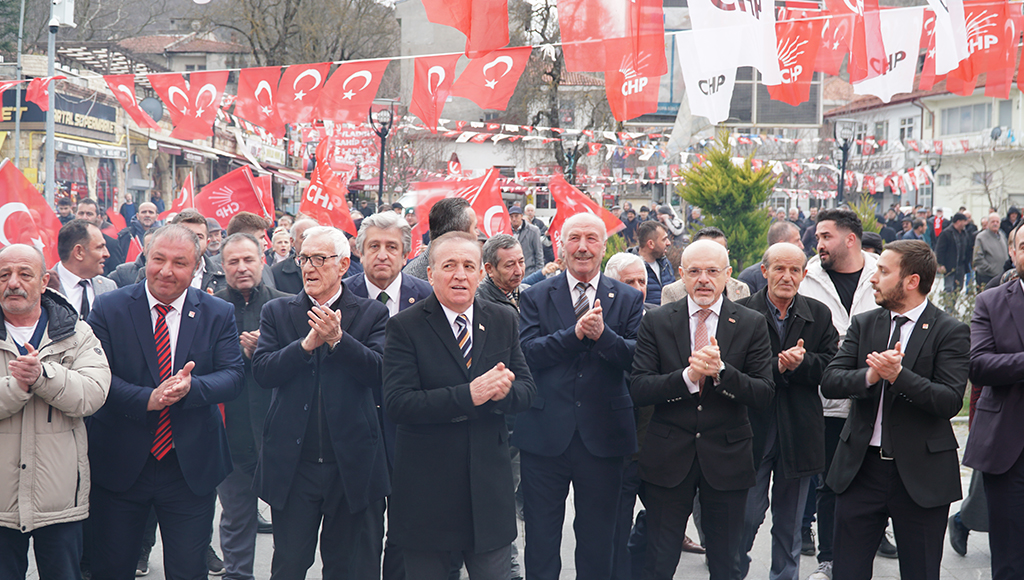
696 272
317 261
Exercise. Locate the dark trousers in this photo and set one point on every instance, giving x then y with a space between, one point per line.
668 509
238 522
954 281
596 483
621 560
436 565
57 547
862 512
118 519
827 497
1005 494
350 543
812 502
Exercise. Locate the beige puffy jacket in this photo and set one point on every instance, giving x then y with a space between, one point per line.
44 463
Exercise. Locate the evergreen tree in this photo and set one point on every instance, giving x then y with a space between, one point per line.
733 199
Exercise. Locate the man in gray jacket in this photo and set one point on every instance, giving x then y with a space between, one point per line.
989 250
55 373
529 237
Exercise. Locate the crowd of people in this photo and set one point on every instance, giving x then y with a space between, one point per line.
404 414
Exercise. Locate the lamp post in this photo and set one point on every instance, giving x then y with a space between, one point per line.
381 123
844 131
934 162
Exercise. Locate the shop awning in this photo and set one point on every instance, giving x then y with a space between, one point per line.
104 151
285 175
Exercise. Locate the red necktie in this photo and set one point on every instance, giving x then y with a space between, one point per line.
162 441
700 337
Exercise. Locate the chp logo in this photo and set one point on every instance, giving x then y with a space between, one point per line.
710 86
887 65
223 201
790 51
751 6
634 82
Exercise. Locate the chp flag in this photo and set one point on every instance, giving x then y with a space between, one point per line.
34 223
571 201
230 194
324 198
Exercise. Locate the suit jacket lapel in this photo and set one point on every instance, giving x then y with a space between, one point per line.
188 321
439 323
300 319
143 321
681 321
919 336
1015 301
406 299
726 326
479 334
348 306
561 297
606 294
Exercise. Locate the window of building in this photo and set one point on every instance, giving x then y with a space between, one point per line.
881 130
966 119
943 179
981 178
907 128
1006 113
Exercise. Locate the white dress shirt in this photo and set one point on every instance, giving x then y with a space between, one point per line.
711 323
172 318
394 291
452 315
197 278
591 290
905 331
69 283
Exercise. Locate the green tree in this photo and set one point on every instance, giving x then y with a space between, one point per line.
733 199
865 209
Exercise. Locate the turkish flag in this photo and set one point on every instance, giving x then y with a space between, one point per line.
482 193
631 95
484 22
324 198
489 81
864 37
18 196
39 91
134 249
928 77
123 87
116 222
349 92
185 200
298 91
602 35
836 33
431 86
192 104
230 194
256 100
571 201
798 51
4 85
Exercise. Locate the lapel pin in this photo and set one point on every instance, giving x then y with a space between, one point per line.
480 326
411 300
611 295
192 314
732 320
924 326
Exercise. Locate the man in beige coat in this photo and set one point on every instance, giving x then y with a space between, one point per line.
54 373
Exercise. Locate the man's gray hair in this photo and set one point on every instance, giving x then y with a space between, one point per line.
336 236
179 233
386 220
302 222
495 243
581 219
619 262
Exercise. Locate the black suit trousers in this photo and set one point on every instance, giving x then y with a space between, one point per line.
862 511
668 509
1006 521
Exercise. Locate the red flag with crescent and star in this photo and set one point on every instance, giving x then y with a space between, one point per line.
192 104
350 91
256 101
864 37
18 199
571 201
298 91
4 85
483 195
39 91
490 80
484 22
185 200
230 194
324 198
431 86
123 87
601 35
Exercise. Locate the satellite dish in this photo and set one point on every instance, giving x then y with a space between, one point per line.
153 107
996 133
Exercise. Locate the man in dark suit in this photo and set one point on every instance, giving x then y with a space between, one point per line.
287 274
897 452
384 240
578 334
453 369
159 440
323 459
995 444
789 435
701 361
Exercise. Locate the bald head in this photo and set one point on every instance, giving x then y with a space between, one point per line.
706 249
783 250
705 267
147 214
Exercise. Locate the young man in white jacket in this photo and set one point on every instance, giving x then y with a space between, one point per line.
840 277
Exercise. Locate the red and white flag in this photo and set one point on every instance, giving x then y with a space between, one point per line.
482 193
298 91
630 94
4 85
571 201
798 50
902 37
490 80
991 40
192 104
324 198
484 22
34 222
186 199
39 91
123 87
256 101
134 249
349 92
928 77
230 194
431 86
950 34
599 35
864 37
749 24
836 37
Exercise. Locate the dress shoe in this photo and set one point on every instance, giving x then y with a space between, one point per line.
691 546
886 549
262 525
807 544
958 535
214 563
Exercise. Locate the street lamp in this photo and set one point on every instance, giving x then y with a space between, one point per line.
381 123
844 131
934 162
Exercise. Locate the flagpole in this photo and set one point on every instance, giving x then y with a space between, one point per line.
17 96
51 180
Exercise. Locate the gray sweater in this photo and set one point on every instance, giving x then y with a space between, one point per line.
990 252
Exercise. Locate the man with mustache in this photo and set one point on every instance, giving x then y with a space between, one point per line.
789 435
905 367
578 333
701 361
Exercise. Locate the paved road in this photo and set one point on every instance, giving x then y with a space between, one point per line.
975 566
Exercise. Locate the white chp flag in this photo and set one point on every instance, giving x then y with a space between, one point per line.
709 81
747 24
950 34
901 36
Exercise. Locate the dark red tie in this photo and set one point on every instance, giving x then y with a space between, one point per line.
163 440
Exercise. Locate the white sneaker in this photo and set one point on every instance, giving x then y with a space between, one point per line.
824 572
